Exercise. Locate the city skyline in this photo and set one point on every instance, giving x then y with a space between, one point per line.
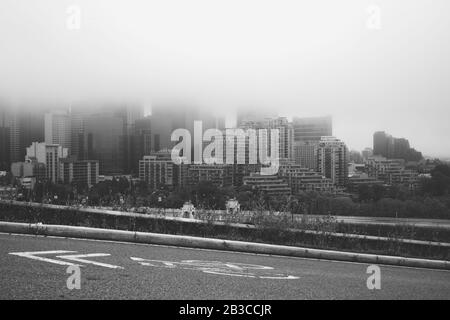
300 59
230 118
207 151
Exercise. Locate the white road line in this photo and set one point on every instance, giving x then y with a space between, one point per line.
385 266
33 256
79 258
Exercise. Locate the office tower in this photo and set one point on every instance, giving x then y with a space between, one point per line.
134 112
77 140
25 127
31 128
286 134
332 160
305 154
312 129
394 148
50 155
5 148
139 143
58 129
105 141
5 152
166 118
83 173
382 144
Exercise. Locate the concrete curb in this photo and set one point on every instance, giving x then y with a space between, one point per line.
216 244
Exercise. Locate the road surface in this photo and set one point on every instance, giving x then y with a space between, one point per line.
34 267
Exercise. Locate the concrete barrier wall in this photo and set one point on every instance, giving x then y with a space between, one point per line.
215 244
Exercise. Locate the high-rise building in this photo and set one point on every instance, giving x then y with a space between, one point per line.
332 160
105 141
5 150
50 154
25 127
166 118
305 154
394 148
31 128
382 144
312 129
286 134
58 129
139 143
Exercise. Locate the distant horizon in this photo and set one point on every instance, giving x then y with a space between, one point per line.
230 118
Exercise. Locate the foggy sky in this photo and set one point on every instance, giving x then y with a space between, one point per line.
299 58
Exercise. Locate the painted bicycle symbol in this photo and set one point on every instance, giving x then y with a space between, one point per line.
218 267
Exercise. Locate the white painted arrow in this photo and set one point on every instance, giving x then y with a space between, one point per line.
79 258
34 256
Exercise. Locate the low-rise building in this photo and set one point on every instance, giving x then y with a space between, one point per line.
391 171
158 170
271 185
304 179
220 175
79 172
357 180
29 168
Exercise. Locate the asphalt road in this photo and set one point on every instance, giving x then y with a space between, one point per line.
116 270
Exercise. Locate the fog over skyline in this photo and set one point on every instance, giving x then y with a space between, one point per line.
309 58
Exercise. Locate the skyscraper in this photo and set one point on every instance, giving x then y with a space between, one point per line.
26 125
140 143
5 152
58 129
312 129
305 154
286 134
5 149
394 148
104 140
